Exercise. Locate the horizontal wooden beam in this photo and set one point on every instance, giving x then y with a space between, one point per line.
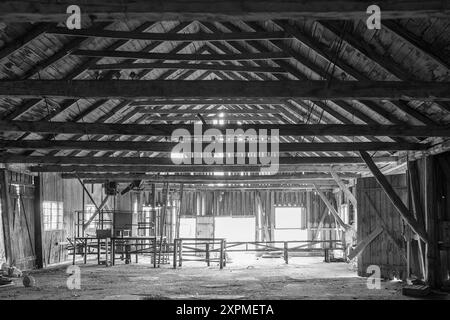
211 120
194 168
205 102
60 160
194 179
153 36
308 89
226 112
167 147
26 10
166 130
181 57
187 66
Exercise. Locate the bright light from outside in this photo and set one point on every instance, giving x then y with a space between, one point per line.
235 228
290 224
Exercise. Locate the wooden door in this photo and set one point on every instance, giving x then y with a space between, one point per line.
205 227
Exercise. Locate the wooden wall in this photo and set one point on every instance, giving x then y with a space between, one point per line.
2 241
373 203
17 199
434 201
262 205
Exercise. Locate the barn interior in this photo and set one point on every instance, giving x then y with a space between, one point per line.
357 120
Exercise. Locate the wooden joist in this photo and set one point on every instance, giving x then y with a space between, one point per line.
182 37
181 57
90 160
354 168
307 89
186 66
30 35
166 130
24 10
226 112
205 102
395 199
199 179
167 147
211 120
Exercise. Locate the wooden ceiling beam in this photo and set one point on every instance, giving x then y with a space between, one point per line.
226 119
182 37
204 102
31 34
167 130
25 10
355 168
194 179
91 160
180 57
307 90
231 112
186 66
416 41
24 107
167 147
328 54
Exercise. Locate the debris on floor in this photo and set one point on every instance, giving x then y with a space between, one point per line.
416 290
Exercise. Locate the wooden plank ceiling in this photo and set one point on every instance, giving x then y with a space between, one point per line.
97 103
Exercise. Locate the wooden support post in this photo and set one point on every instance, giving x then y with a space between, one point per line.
327 255
74 251
6 213
163 219
408 257
221 254
179 213
38 223
392 195
113 251
175 253
433 256
224 253
106 252
180 253
99 246
127 253
137 252
85 251
286 256
418 212
154 252
207 255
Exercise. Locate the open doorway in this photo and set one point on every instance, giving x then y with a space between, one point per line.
290 224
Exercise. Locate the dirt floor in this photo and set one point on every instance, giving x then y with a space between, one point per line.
303 278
